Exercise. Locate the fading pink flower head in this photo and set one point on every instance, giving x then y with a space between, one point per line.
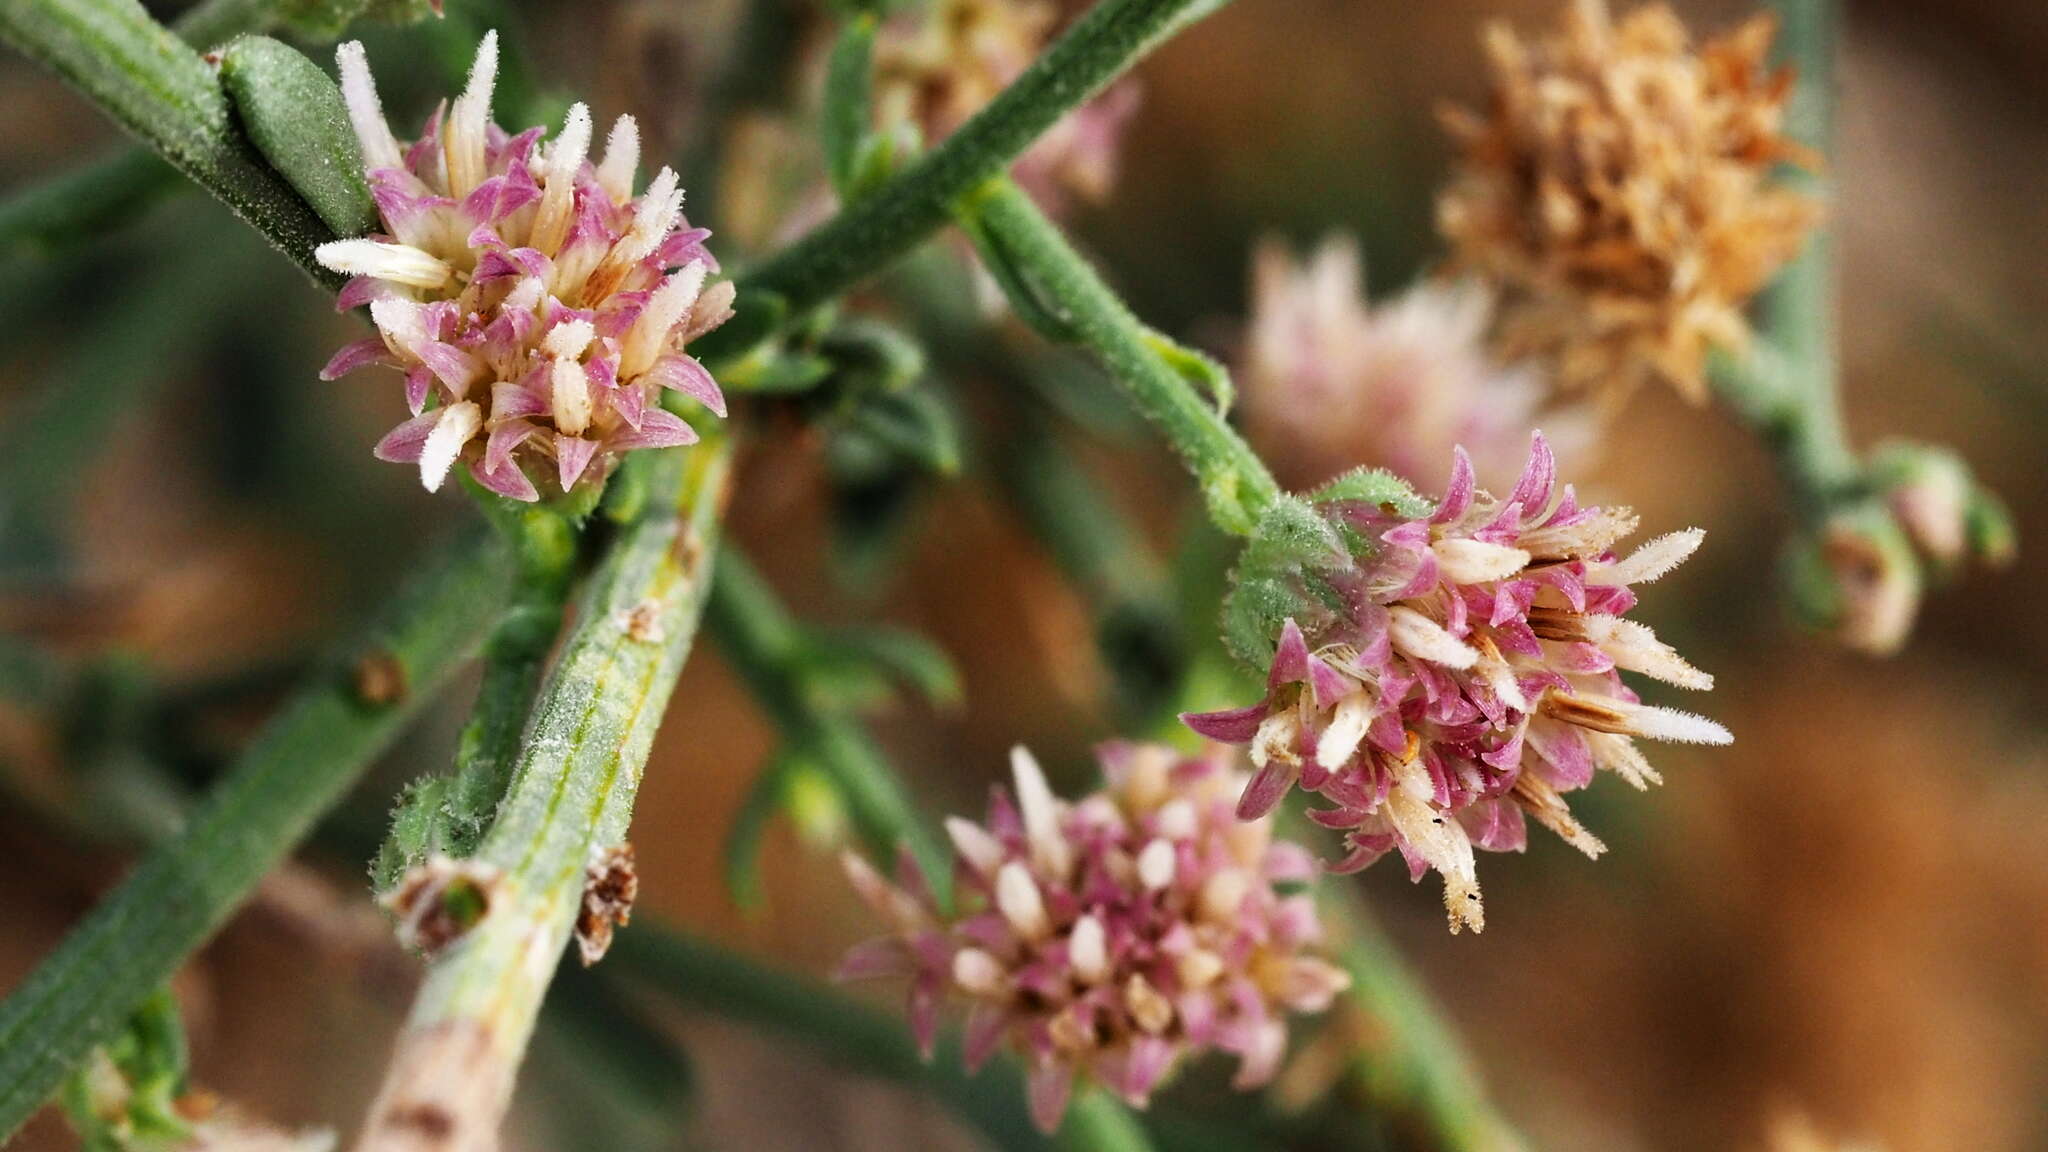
536 307
1110 937
1330 383
1464 671
936 68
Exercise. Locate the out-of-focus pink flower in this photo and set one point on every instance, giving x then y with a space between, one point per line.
936 68
1111 937
1464 673
537 308
1330 383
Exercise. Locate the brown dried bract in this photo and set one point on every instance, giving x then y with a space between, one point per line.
643 622
1617 189
380 679
437 902
609 889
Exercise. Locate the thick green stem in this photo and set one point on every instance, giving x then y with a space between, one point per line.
158 88
570 800
1234 481
703 975
86 201
871 235
763 642
304 760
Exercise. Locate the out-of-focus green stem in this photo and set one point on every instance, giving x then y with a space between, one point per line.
1788 386
157 87
570 799
1105 558
299 766
703 975
1234 481
1408 1070
763 642
1099 1122
871 235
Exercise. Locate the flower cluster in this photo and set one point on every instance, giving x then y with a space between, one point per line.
1617 186
535 305
935 69
1470 676
1110 937
1330 383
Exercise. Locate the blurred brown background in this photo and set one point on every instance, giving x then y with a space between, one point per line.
1841 917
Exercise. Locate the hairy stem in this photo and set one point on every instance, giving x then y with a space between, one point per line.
454 811
158 88
570 799
1156 377
762 641
303 761
866 238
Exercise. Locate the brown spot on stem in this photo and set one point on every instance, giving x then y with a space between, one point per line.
609 889
428 1121
380 679
436 903
643 623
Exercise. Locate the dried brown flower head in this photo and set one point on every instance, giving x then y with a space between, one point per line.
1617 188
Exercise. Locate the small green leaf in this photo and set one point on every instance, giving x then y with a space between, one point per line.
847 83
855 666
749 825
295 116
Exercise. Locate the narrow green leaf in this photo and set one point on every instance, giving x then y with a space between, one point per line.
844 123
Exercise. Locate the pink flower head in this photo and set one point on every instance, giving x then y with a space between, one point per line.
536 307
1110 937
1470 676
1331 382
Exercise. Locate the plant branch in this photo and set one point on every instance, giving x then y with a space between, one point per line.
702 975
872 234
570 800
303 761
1408 1066
1158 377
449 814
158 88
763 643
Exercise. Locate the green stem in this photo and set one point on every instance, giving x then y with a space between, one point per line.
158 88
89 200
1788 387
136 335
1409 1069
1104 557
450 814
1234 481
703 975
763 643
1099 1122
296 769
570 799
869 236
